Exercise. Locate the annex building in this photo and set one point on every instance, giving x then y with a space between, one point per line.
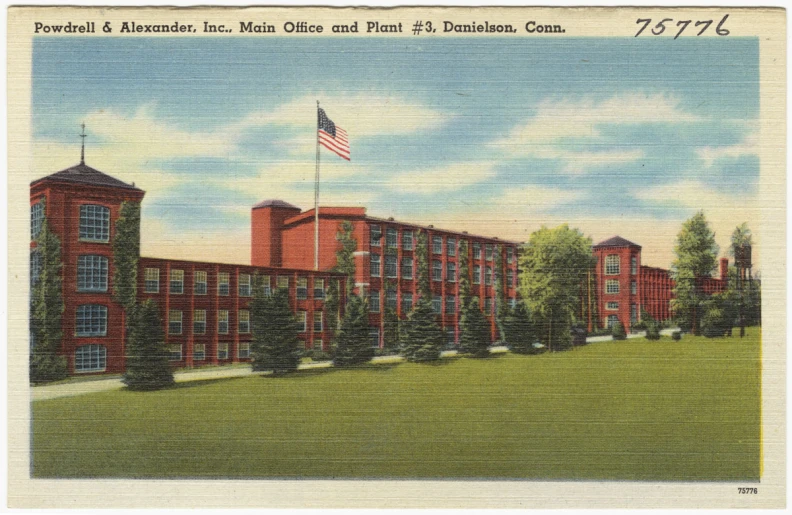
204 306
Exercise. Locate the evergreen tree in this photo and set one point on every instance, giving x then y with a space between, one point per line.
501 308
422 337
126 254
276 345
147 366
519 331
353 345
46 309
618 331
696 257
475 331
390 330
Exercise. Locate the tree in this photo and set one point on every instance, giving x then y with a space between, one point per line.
390 329
501 308
422 337
553 265
46 309
618 331
422 265
353 345
275 345
147 366
518 330
126 254
740 239
474 338
696 257
464 275
345 264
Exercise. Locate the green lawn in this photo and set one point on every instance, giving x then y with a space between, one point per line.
633 410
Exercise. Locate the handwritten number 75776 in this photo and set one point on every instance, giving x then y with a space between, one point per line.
682 24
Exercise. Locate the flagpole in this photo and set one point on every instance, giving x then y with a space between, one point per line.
316 195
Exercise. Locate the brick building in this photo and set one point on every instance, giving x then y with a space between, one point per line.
204 306
385 261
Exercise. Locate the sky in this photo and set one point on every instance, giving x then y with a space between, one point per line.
497 136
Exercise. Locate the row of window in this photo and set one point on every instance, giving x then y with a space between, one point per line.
391 270
613 286
613 265
408 243
245 286
94 222
391 302
199 351
175 318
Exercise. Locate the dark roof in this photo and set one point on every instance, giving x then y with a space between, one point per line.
616 241
274 203
84 174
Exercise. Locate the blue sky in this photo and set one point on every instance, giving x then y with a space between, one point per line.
621 136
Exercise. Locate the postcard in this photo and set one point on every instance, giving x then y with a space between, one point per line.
410 257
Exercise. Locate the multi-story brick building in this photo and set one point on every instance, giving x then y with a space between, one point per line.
204 306
385 259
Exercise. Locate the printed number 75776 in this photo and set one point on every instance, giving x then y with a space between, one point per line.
744 490
683 24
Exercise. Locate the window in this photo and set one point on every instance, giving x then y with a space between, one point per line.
611 286
223 283
634 288
267 285
90 358
476 250
488 275
376 235
437 270
199 284
437 245
36 219
612 265
391 238
509 254
244 321
222 350
152 280
174 322
283 282
407 268
487 306
450 305
406 303
94 223
612 306
318 327
302 321
374 336
374 302
391 299
222 321
391 267
451 247
612 320
476 274
510 278
244 350
91 320
319 286
451 272
437 304
199 352
35 266
175 351
199 321
634 266
244 285
407 240
177 281
375 265
488 252
91 273
302 288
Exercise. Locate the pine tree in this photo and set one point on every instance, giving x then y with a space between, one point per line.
422 337
126 254
519 331
501 308
390 329
353 345
275 345
147 366
475 331
46 310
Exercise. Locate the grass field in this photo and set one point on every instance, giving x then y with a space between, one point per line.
633 410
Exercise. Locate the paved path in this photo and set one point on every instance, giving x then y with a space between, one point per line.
55 391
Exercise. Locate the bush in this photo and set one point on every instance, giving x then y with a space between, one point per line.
605 331
618 331
653 331
640 326
714 322
386 352
320 355
676 336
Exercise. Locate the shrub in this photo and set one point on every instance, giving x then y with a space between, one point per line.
320 355
618 331
519 331
605 331
652 331
714 322
676 336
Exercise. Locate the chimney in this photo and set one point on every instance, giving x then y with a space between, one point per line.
724 269
266 225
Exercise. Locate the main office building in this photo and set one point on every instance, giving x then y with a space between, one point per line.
204 306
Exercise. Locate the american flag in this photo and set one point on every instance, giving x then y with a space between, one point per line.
333 137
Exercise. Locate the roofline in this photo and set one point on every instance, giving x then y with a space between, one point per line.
276 268
462 234
68 182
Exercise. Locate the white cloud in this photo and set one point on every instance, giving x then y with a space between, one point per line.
749 146
448 178
579 163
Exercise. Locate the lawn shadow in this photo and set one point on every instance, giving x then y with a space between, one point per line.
187 384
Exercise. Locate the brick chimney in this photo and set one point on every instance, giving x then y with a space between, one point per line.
724 268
